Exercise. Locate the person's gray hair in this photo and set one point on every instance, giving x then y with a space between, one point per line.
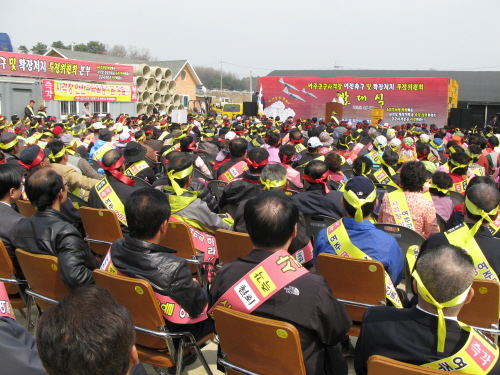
273 172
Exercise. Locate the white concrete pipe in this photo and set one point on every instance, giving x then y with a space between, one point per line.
170 108
167 99
156 97
141 83
162 87
171 87
156 73
176 100
142 70
149 110
140 108
151 85
167 74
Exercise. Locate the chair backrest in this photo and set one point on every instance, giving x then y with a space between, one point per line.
441 222
383 188
348 173
230 209
179 238
77 201
241 338
25 208
101 225
406 237
94 164
198 174
483 309
7 270
232 245
356 280
141 184
378 365
217 188
138 297
43 276
314 224
456 198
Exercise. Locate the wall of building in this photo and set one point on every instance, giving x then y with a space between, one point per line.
186 86
15 94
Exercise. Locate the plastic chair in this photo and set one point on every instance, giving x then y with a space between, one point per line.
315 223
379 365
44 279
348 173
179 238
25 208
217 188
405 237
77 201
456 198
153 338
359 283
483 310
9 278
232 245
441 223
197 174
102 228
141 184
242 337
382 188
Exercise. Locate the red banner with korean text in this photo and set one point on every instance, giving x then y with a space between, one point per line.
21 64
404 99
83 91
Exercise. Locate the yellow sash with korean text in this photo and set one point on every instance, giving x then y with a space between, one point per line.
299 147
111 200
135 168
342 245
400 210
483 269
384 178
477 356
102 150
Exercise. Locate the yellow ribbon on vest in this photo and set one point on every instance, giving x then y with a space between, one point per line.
111 199
102 150
135 168
384 178
400 210
477 356
341 243
457 236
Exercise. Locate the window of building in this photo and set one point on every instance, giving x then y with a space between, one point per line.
100 107
185 100
183 75
69 107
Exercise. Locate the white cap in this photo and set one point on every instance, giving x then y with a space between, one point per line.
98 125
230 136
314 142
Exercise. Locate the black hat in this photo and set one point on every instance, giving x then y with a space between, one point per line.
105 134
30 153
133 152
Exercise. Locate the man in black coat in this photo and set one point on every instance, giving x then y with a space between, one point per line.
140 255
318 199
445 272
306 302
49 232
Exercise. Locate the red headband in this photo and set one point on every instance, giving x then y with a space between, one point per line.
295 141
191 146
112 169
320 180
34 163
128 139
254 164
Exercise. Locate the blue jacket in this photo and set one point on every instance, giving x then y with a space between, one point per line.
96 147
373 242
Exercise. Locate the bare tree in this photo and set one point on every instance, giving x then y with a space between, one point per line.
139 54
118 50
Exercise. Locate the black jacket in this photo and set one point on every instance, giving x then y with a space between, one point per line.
307 303
49 232
168 274
246 187
315 201
204 193
406 335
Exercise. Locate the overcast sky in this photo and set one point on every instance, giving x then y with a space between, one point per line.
264 35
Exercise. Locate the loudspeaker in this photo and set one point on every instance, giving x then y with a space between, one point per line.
250 108
460 118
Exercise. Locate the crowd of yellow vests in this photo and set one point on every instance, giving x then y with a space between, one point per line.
383 150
